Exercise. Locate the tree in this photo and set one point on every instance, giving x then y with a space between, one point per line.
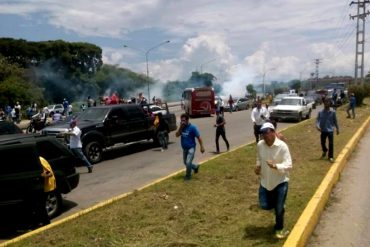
295 84
251 90
14 86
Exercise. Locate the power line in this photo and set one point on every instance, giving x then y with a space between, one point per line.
360 37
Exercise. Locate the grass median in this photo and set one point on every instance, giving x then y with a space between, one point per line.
218 207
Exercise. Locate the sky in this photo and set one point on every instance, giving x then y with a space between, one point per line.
239 41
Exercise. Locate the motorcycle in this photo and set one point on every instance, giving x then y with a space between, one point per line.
36 124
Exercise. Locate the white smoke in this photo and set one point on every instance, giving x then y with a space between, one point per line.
236 86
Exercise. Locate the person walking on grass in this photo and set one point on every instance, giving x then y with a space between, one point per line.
325 123
351 106
189 133
220 131
272 166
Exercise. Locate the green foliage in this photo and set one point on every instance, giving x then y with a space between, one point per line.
111 79
250 90
218 207
360 91
295 84
172 90
14 86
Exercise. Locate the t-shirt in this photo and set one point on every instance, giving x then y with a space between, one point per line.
75 139
219 120
188 135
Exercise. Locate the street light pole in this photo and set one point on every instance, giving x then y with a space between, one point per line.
147 61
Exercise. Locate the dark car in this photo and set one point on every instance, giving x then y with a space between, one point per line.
105 126
7 127
20 171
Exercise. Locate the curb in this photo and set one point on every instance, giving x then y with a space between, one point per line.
308 220
102 204
302 229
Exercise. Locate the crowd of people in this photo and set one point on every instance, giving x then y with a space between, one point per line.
273 158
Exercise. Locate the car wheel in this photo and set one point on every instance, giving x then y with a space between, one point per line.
53 203
29 129
300 117
94 152
309 114
236 108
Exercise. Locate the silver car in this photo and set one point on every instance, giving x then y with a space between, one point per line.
240 104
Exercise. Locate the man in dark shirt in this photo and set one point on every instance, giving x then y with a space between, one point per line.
220 131
162 131
326 122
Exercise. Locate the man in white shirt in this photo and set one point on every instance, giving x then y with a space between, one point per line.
75 144
259 115
272 166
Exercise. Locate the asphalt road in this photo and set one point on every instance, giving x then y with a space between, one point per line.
129 167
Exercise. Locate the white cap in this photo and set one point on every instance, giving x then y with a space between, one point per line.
267 125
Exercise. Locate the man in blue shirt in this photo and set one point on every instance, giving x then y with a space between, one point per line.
188 133
351 106
326 122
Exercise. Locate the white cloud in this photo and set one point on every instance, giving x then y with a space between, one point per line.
285 34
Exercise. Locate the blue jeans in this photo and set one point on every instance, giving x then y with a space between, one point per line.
162 138
274 199
323 137
78 152
188 156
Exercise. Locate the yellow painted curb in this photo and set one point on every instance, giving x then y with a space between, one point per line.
311 214
110 201
102 204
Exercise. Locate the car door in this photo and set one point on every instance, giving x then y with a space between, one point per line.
118 125
243 104
138 123
20 174
63 163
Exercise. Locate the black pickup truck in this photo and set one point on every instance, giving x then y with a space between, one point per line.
105 126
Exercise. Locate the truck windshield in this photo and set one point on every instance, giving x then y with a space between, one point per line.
93 114
290 101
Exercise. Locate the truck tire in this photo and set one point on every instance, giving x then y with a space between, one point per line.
53 203
308 114
300 117
94 152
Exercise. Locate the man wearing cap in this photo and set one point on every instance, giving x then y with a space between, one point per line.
220 131
75 143
272 167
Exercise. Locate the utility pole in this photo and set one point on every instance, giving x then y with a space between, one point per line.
360 37
317 62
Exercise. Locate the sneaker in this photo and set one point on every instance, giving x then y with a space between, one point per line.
323 155
281 234
196 170
348 116
331 160
162 149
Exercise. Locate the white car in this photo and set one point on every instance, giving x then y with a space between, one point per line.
155 109
54 108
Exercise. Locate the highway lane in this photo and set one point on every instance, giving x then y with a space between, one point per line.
127 168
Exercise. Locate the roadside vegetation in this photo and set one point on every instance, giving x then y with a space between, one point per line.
218 207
